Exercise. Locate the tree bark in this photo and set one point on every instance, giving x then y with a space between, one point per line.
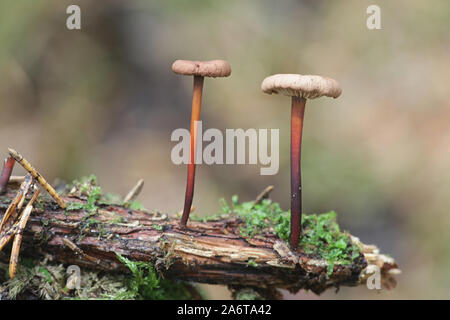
211 252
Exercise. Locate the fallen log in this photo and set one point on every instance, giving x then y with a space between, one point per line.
92 233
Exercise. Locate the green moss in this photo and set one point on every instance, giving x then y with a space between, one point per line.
47 275
146 284
74 206
266 216
38 204
85 187
321 235
247 294
82 186
252 263
136 205
214 217
36 277
117 219
111 199
70 206
91 221
41 279
157 227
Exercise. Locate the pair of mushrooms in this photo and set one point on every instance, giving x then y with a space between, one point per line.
298 87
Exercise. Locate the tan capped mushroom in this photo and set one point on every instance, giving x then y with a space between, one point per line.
296 85
198 69
213 68
300 88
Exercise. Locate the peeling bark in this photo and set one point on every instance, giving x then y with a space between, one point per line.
212 252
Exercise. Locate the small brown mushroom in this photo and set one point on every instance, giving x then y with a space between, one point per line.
300 88
198 69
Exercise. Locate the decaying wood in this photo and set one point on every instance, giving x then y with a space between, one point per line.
212 252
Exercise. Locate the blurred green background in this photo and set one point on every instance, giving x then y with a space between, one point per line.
104 100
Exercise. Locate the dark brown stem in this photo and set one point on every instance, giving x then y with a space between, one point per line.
195 117
6 173
298 111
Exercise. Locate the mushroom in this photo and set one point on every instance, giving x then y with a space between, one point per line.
198 69
300 88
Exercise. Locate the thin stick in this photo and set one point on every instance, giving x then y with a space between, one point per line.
27 166
195 117
5 237
27 186
33 198
135 191
297 114
23 190
16 179
18 236
263 195
14 259
72 246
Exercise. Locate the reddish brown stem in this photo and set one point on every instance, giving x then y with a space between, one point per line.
6 173
298 111
195 117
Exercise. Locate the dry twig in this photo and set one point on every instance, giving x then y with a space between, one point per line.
17 203
135 191
27 166
264 194
18 235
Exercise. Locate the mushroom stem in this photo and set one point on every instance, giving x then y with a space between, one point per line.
195 117
6 173
297 113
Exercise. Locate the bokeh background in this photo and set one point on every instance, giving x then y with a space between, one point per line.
104 100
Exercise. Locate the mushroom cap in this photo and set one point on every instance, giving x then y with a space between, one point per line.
308 87
213 68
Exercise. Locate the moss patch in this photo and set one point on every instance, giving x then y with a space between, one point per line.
135 205
40 279
146 284
247 294
321 235
88 189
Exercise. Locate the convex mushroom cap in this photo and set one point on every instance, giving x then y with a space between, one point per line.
304 86
213 68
